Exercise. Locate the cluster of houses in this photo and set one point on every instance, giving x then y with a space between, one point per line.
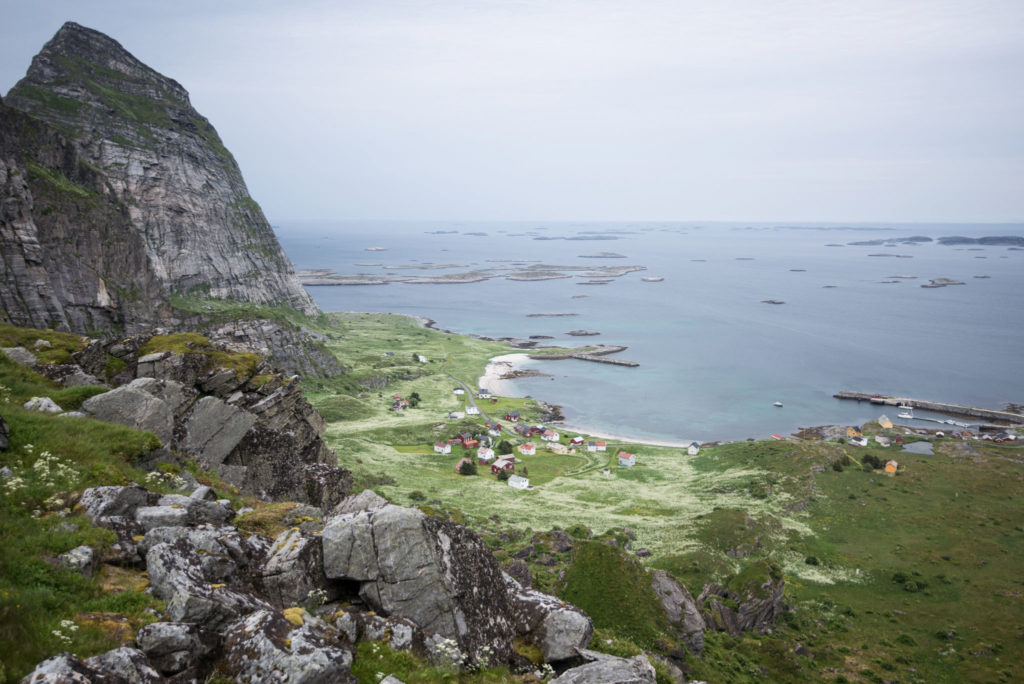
398 403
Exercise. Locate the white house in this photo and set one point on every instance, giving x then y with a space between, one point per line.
601 446
472 410
529 449
518 482
558 448
456 415
627 459
577 441
442 447
485 455
591 446
859 441
483 394
883 440
549 436
421 358
459 391
693 449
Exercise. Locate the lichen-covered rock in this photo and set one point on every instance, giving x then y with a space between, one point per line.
606 669
118 666
217 512
293 569
80 559
43 405
195 592
265 647
172 647
680 608
104 502
558 628
432 571
366 500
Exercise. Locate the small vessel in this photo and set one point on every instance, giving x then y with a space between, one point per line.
905 411
652 279
777 404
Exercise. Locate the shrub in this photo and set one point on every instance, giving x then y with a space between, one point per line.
812 560
417 495
503 475
468 467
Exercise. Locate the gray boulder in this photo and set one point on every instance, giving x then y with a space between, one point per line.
135 408
366 500
557 628
680 608
119 666
80 559
43 405
267 647
220 551
150 517
194 591
758 604
293 569
217 512
120 501
172 393
79 378
20 355
437 573
606 669
172 647
213 429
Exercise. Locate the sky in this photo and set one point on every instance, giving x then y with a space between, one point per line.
729 110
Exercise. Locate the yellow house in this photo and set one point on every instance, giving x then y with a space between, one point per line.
558 448
853 432
891 466
884 421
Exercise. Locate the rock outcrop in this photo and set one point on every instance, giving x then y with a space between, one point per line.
176 187
680 609
752 601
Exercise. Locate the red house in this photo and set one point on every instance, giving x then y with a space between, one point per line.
503 464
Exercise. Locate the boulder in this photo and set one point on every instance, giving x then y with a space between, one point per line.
217 512
293 569
79 378
301 649
520 572
172 647
80 559
213 429
20 356
43 405
5 435
135 408
119 666
605 669
557 628
193 590
172 393
104 502
758 602
220 551
680 608
366 500
437 573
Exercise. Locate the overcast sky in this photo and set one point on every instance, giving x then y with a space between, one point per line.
749 110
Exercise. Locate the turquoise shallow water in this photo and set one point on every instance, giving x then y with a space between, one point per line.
713 358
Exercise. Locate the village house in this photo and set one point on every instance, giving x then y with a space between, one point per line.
459 391
883 440
485 455
506 464
591 446
483 394
518 482
512 416
558 448
859 441
549 436
693 449
462 461
470 444
577 441
627 459
421 358
891 466
442 447
528 449
472 410
456 415
602 446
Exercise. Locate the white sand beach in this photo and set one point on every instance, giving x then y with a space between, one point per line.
496 368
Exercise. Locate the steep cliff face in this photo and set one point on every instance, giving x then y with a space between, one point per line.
182 190
70 258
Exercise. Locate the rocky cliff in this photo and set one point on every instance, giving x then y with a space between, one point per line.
132 175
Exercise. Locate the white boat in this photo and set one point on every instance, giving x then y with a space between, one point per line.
905 414
777 404
905 411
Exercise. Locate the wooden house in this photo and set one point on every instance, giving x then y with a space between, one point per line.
627 459
503 463
528 449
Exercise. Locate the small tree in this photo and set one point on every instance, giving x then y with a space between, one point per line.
503 475
467 467
505 447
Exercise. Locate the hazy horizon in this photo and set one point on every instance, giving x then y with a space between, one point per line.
786 111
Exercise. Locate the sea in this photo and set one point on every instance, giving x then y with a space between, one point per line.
714 353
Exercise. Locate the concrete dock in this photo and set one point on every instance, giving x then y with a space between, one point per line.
954 409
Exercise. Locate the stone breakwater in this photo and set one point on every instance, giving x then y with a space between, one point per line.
939 407
597 355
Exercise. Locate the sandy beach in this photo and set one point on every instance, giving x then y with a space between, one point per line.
492 381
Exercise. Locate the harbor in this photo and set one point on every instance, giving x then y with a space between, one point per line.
938 407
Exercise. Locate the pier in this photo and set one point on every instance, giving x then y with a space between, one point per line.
954 409
598 355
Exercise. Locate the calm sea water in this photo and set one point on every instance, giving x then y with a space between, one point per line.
713 358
